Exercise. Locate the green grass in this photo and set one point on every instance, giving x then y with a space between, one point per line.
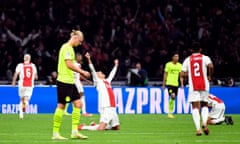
135 129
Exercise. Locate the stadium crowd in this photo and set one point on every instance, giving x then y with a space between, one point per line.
145 31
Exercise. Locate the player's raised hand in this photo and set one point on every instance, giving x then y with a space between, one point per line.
116 62
87 55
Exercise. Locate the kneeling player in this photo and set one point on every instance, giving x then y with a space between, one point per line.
108 115
216 115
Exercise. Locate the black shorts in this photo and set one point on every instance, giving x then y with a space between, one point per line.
66 93
172 89
76 94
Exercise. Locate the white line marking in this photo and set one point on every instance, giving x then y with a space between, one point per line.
118 133
119 141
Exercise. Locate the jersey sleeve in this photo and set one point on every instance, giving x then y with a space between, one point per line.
35 69
180 65
208 60
185 65
94 74
166 69
68 53
112 74
19 68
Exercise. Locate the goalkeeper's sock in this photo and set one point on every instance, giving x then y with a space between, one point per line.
171 105
204 115
196 118
75 119
57 120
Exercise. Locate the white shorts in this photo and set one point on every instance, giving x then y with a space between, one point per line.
109 116
217 111
194 96
25 92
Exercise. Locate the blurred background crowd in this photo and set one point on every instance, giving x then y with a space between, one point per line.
145 31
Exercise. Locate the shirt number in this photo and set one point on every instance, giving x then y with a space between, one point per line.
28 72
196 69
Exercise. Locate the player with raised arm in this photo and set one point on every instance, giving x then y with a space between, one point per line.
108 115
27 73
199 69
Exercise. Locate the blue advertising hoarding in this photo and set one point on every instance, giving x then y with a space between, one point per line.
129 100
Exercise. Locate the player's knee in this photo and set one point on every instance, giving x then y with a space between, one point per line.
102 126
78 104
173 95
26 100
209 121
81 94
61 106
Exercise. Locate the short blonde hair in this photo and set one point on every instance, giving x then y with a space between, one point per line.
76 33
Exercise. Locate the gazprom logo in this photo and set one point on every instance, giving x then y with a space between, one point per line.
14 109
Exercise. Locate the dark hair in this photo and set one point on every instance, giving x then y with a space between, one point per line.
174 53
196 46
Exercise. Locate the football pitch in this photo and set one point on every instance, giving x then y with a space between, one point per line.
135 129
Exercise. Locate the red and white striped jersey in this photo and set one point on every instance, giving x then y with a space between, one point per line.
196 66
213 100
27 72
106 96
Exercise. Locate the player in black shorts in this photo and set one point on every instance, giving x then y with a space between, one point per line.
67 92
66 88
